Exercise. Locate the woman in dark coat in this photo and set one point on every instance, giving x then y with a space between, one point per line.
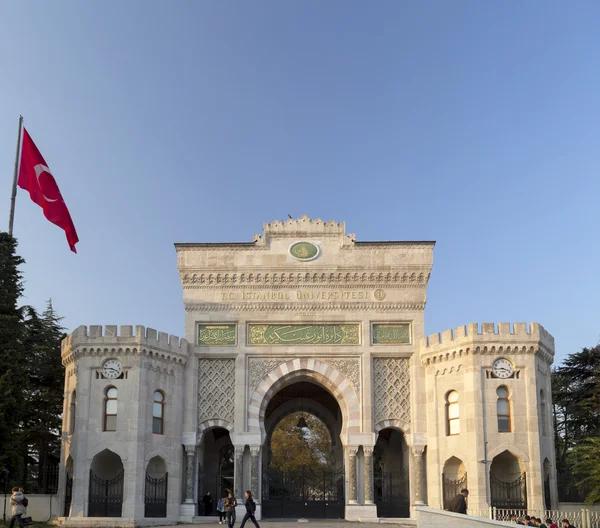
250 510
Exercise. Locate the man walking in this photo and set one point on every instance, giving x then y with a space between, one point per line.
459 503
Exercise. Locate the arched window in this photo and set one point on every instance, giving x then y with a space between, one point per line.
544 417
503 410
158 413
452 413
72 413
110 409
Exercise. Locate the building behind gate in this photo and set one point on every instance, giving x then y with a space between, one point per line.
305 317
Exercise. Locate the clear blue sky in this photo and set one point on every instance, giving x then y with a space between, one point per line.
472 123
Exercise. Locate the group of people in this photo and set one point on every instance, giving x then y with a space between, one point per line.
19 504
536 521
459 505
226 508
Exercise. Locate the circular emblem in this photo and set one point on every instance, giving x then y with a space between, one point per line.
304 250
379 294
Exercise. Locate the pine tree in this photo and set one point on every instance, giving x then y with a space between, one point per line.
44 394
12 411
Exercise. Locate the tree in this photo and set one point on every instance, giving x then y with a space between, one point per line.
576 408
12 411
301 449
586 456
44 394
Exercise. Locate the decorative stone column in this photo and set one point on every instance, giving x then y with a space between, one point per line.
190 451
254 471
368 451
352 451
238 493
418 451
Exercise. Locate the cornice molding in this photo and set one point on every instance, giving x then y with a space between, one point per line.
433 358
305 307
154 354
287 278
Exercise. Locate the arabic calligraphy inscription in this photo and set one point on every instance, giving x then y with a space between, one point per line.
303 334
216 334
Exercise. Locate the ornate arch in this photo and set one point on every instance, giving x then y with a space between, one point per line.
401 425
206 425
512 449
307 368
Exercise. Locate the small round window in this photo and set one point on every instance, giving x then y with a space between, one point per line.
304 251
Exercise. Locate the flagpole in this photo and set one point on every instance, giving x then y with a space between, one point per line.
13 196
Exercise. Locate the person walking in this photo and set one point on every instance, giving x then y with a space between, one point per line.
207 501
566 523
221 509
230 503
459 503
18 509
551 523
250 510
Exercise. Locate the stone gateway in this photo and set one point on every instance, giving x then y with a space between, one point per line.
304 317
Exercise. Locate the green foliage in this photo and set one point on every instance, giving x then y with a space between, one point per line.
296 449
31 378
11 335
586 456
576 407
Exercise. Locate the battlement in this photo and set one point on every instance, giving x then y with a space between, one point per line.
489 334
97 335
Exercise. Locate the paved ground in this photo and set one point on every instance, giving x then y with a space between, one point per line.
312 523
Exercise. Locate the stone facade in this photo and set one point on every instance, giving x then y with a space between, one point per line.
306 305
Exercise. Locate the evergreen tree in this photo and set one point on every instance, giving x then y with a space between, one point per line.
44 394
12 411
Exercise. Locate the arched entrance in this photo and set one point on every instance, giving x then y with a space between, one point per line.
304 418
156 489
454 478
390 470
508 483
216 471
106 485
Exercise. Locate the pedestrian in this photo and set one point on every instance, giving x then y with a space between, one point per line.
528 521
25 502
566 523
221 509
250 510
513 518
18 509
550 523
539 523
459 503
230 503
207 501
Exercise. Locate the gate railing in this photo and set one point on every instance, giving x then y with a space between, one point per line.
509 495
582 518
106 496
155 496
452 487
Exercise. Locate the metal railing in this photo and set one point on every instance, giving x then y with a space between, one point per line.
582 518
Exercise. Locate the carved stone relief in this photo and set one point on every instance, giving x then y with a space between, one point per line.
258 368
391 389
216 389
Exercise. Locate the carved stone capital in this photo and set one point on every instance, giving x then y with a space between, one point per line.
368 450
190 450
255 451
418 450
239 450
352 451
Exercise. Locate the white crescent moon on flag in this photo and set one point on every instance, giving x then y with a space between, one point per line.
39 169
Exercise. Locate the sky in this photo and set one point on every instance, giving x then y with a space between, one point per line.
475 124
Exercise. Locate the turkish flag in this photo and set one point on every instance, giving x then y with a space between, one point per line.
35 177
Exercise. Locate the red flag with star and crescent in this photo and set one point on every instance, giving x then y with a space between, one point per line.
35 177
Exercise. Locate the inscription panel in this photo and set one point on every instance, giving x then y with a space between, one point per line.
303 334
217 334
390 333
